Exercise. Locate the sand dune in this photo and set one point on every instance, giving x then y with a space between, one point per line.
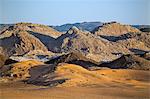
70 75
85 84
79 76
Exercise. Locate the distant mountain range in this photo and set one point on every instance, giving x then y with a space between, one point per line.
89 26
144 28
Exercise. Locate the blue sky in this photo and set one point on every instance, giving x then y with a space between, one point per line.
57 12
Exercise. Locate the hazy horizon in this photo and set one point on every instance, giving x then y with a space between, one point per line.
58 12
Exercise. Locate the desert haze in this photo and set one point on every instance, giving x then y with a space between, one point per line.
89 60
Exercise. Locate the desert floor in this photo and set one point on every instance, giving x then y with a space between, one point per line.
124 84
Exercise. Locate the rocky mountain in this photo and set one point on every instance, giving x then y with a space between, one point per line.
101 48
81 41
37 28
20 42
113 29
88 26
21 38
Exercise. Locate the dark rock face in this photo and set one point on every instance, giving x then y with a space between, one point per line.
10 61
143 28
74 58
44 76
128 62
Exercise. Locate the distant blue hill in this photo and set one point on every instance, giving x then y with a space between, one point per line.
2 26
143 28
89 26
